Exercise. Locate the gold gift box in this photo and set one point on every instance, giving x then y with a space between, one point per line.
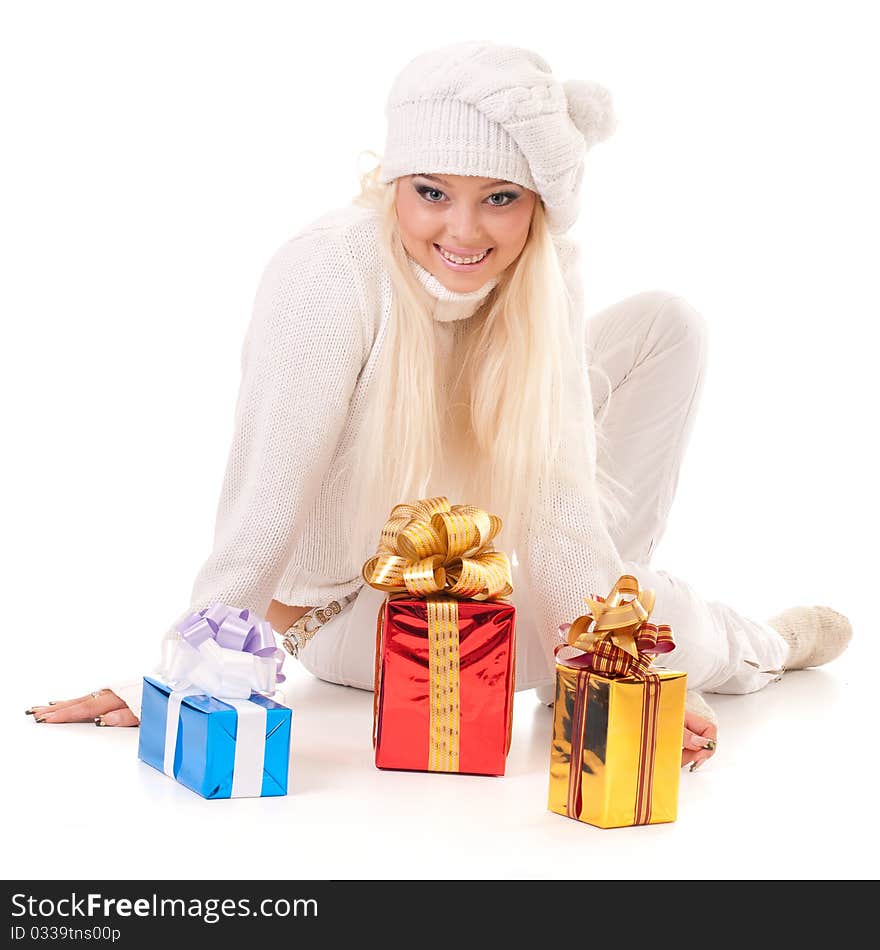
615 759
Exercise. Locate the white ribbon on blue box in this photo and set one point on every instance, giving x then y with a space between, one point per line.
219 748
204 723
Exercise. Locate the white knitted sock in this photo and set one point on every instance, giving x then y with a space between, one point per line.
815 635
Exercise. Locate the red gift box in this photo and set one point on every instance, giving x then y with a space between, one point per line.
445 641
456 717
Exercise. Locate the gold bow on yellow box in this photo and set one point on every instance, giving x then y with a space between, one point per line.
616 630
616 745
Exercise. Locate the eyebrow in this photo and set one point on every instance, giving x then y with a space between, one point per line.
500 181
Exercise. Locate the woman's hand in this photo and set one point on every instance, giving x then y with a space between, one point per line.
102 707
700 737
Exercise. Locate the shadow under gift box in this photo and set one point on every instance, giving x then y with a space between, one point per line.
485 673
613 764
207 732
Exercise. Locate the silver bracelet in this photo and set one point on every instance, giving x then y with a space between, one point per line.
301 631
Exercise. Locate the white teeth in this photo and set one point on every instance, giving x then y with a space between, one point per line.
461 260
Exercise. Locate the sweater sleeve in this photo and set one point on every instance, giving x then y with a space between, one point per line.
302 353
569 552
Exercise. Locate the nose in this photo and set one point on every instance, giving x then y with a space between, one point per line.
463 227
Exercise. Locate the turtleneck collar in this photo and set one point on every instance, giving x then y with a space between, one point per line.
450 304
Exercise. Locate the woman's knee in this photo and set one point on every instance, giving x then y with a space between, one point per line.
645 323
677 323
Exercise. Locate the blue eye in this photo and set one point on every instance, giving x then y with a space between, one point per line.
424 190
508 196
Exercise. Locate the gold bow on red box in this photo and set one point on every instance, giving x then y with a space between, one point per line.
437 560
432 547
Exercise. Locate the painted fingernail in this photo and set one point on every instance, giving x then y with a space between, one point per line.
52 702
710 745
41 719
99 721
29 712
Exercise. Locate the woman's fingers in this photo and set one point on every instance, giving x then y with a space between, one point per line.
39 710
700 750
695 742
104 709
84 709
118 717
696 759
699 741
688 757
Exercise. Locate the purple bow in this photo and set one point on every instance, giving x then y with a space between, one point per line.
225 652
233 629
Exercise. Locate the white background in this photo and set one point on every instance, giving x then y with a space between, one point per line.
157 154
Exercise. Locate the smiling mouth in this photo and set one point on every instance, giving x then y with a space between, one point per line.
466 260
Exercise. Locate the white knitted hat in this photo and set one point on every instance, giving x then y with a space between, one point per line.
478 108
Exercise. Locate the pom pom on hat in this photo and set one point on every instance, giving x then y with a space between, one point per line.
591 109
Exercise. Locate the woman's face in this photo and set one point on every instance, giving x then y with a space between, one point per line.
463 216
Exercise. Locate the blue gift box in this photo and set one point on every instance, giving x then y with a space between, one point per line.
206 751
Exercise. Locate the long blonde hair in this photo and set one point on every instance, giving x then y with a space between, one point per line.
504 417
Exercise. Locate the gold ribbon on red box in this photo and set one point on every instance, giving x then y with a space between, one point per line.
442 553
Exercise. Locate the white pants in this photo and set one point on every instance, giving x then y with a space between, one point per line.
650 349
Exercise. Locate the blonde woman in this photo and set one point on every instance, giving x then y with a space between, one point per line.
429 339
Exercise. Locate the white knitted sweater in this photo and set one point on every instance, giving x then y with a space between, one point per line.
307 373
